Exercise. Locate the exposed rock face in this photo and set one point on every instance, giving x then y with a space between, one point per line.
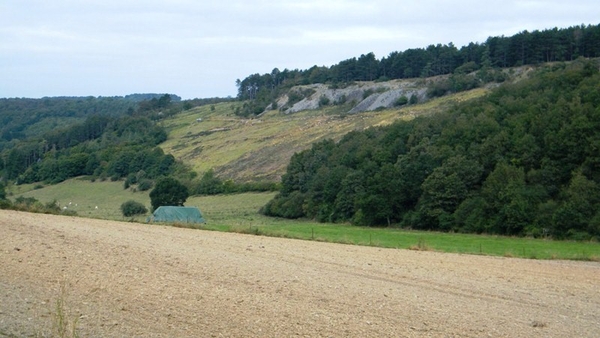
365 96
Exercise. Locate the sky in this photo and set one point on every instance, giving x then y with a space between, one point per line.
197 49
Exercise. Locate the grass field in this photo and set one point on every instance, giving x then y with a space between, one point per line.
83 196
239 213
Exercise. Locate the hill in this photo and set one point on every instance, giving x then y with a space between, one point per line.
512 159
500 52
212 135
522 160
259 148
24 118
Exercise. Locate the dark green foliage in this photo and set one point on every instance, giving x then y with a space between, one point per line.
31 204
133 208
22 118
210 184
290 207
414 99
324 101
145 184
401 101
2 191
114 147
168 191
53 139
521 161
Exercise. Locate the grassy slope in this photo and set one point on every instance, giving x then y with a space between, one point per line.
83 196
260 148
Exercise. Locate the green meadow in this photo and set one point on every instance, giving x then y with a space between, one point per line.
239 213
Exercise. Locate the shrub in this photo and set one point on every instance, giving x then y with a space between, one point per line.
145 184
52 207
132 208
2 191
285 206
5 204
368 93
413 99
341 100
401 101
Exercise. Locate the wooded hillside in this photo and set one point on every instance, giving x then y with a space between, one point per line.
523 160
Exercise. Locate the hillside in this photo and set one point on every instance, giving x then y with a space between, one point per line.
23 118
258 148
522 160
255 149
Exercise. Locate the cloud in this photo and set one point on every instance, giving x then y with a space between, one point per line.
198 49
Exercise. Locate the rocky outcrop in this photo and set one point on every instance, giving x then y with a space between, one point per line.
362 96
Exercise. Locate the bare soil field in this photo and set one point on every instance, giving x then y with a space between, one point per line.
137 280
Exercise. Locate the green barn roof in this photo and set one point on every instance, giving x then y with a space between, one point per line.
177 214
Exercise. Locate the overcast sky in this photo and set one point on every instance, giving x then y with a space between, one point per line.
197 49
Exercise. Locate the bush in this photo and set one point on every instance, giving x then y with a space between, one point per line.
133 208
402 100
5 204
285 206
145 184
368 93
209 184
52 207
413 99
323 101
2 192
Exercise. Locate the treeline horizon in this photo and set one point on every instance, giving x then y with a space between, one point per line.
524 48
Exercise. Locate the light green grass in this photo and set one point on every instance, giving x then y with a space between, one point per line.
83 196
239 213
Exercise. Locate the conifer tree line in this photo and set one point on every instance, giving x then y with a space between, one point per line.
523 160
524 48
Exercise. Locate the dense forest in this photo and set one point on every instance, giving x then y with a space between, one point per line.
101 146
524 48
101 137
23 118
523 160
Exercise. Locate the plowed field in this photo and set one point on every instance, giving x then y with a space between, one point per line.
137 280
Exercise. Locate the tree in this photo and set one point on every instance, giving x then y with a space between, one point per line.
132 208
15 164
209 184
445 189
2 192
168 191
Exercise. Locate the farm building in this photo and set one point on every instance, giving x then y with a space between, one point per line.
177 214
